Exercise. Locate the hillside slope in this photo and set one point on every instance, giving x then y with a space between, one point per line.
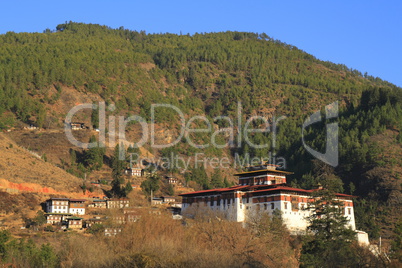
44 75
21 169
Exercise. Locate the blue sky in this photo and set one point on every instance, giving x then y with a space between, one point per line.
364 35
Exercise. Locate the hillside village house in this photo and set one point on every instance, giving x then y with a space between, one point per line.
77 206
118 203
74 222
171 180
92 221
98 203
112 231
132 215
156 201
56 218
76 125
57 205
65 206
168 199
128 216
262 189
135 172
118 219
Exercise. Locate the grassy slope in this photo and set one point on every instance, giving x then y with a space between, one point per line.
18 165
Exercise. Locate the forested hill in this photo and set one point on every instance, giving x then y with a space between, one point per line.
209 73
134 69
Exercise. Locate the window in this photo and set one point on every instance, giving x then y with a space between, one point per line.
265 206
286 205
349 211
272 205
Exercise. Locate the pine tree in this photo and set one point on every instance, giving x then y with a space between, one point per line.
5 236
216 179
116 190
128 188
226 182
73 157
170 190
95 118
40 218
397 241
118 161
151 184
329 241
94 156
118 165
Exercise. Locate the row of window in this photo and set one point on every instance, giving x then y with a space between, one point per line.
60 207
294 205
65 207
78 205
61 202
53 217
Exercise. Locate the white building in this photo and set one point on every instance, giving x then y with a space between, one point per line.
57 205
65 206
262 189
77 206
112 231
118 203
135 172
56 218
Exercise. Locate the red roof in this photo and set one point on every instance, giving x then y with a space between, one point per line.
346 195
285 188
269 188
337 194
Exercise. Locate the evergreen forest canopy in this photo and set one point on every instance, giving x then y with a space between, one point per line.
209 73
